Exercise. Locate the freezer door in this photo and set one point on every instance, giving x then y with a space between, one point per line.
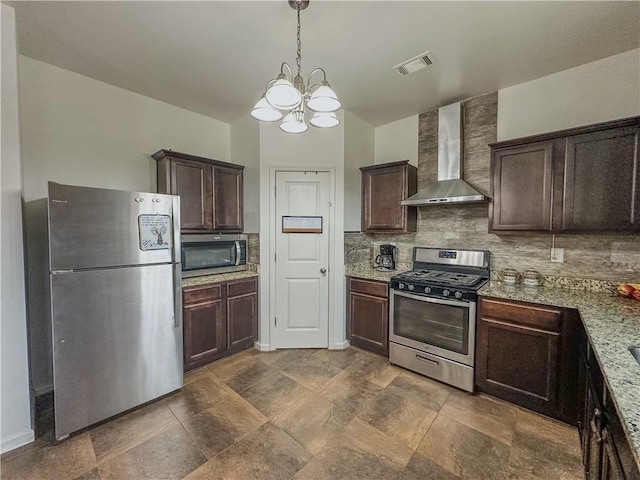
117 341
95 227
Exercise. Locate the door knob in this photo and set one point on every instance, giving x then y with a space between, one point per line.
323 270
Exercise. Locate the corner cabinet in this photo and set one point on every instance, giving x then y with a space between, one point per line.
368 315
384 186
527 354
210 191
219 319
584 179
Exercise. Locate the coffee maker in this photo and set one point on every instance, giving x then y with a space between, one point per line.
386 260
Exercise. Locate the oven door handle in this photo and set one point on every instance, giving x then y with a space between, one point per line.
423 298
428 360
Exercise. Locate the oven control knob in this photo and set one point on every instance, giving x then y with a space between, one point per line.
445 292
427 289
458 294
401 286
411 287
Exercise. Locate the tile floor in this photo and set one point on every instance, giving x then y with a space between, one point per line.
309 414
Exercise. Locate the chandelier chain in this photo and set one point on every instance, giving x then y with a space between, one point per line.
299 52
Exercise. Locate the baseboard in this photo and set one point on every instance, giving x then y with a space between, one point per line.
42 390
263 347
17 440
340 345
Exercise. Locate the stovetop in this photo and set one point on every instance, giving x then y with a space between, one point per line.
441 277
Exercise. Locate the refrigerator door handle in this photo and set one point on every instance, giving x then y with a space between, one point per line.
177 292
238 252
177 246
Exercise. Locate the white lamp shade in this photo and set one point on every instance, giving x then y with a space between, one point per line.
325 120
265 112
293 124
283 95
324 99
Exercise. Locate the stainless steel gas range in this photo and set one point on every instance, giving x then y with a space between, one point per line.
433 314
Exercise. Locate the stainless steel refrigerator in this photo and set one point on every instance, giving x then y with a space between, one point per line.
116 311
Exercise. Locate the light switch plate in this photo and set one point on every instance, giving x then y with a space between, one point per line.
557 255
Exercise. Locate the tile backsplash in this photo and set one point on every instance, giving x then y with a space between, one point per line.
606 257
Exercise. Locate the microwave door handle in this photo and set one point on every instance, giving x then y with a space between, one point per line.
238 252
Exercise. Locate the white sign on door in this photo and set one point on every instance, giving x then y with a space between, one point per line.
155 232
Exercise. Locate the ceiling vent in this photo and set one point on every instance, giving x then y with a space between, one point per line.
416 63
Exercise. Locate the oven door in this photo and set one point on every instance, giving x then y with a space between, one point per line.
446 328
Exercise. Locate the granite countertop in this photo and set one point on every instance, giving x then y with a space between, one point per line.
367 272
252 271
613 325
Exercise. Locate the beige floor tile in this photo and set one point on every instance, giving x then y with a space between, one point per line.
57 461
421 468
90 475
375 369
464 451
125 432
281 358
349 392
310 372
267 453
220 426
491 417
242 375
274 394
394 414
169 455
313 421
340 358
197 396
428 393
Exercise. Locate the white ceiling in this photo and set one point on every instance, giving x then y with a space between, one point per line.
215 58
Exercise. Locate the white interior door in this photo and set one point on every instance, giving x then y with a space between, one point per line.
302 262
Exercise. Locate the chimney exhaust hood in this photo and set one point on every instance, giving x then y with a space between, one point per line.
450 188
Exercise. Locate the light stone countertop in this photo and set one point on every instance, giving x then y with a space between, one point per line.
252 271
613 325
367 272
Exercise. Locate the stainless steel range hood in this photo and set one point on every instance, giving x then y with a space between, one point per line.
450 188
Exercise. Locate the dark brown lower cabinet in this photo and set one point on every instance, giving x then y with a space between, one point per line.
368 315
606 452
219 319
527 354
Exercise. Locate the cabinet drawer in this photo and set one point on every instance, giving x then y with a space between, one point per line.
200 294
241 287
543 318
377 289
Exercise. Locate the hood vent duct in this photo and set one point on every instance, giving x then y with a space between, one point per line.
450 188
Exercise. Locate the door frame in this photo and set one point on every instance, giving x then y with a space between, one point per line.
335 267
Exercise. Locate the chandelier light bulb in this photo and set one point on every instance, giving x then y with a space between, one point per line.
265 112
325 120
283 95
324 99
294 123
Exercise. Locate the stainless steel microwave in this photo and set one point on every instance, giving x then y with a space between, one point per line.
204 254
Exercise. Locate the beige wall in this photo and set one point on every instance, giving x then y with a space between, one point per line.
595 92
397 141
15 413
245 150
358 152
80 131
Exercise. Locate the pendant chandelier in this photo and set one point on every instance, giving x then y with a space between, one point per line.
290 97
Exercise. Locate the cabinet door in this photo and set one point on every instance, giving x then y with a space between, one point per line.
192 181
518 355
522 187
369 322
592 445
382 191
227 199
242 313
204 326
602 182
611 466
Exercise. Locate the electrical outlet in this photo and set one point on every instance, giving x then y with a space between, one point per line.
557 255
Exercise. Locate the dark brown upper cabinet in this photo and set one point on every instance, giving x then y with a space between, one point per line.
210 191
384 186
584 179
